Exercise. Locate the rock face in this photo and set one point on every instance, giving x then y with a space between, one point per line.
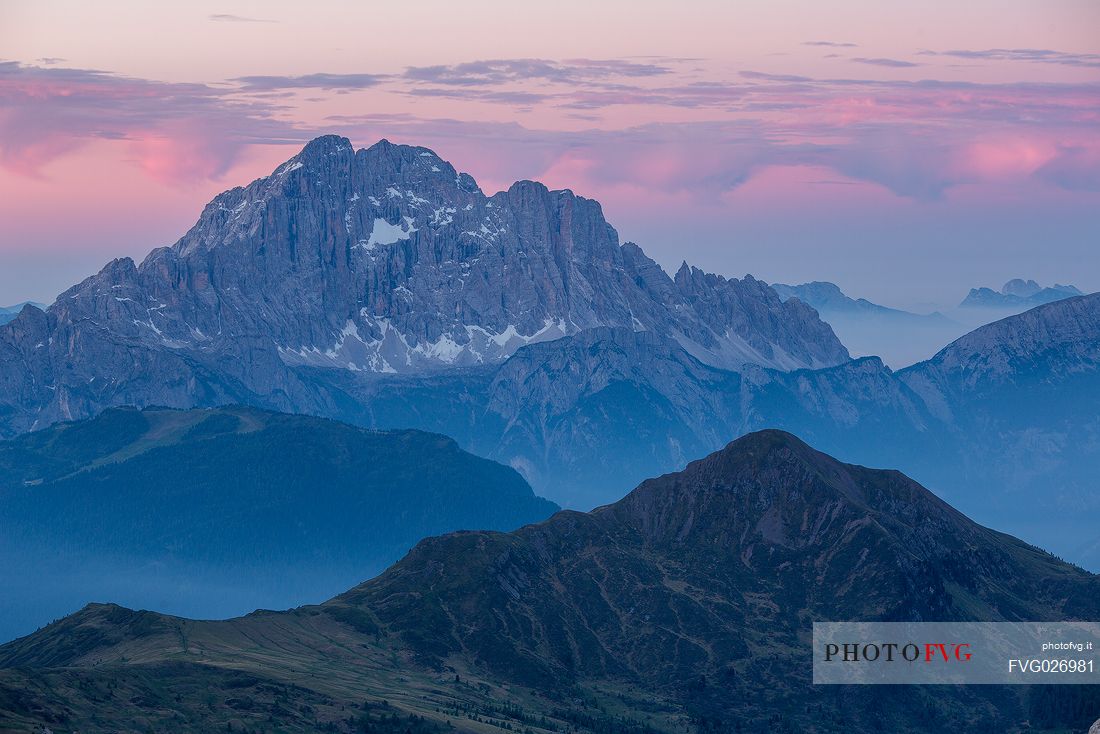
382 260
8 313
1004 422
690 599
1049 342
586 416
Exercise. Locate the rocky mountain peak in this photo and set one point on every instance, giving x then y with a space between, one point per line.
406 162
752 453
768 483
816 293
766 518
325 147
686 275
1020 287
388 260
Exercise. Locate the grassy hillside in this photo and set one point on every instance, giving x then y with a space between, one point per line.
688 605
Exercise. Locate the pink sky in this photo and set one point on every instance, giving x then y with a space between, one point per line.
907 153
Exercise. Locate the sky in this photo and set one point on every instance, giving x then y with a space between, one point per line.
906 151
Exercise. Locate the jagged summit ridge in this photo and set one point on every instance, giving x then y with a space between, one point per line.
379 260
525 265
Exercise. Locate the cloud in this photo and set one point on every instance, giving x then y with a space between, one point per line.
702 160
775 77
380 118
1033 55
189 131
518 98
894 63
229 18
829 44
910 163
1075 168
831 182
917 139
504 71
310 81
590 68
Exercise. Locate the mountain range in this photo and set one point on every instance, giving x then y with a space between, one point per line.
828 298
1017 295
687 603
217 512
1004 422
382 300
382 260
900 338
383 288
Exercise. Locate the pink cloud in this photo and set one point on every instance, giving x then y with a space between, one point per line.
916 139
175 154
1074 167
1007 157
179 132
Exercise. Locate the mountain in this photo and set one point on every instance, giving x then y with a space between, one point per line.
1023 395
1004 422
1028 288
899 337
582 418
688 604
825 296
585 417
382 260
218 512
1017 295
10 312
1051 341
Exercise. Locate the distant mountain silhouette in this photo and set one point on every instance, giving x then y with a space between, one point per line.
218 512
1017 295
827 297
900 338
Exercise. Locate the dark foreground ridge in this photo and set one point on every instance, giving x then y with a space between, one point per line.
688 603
